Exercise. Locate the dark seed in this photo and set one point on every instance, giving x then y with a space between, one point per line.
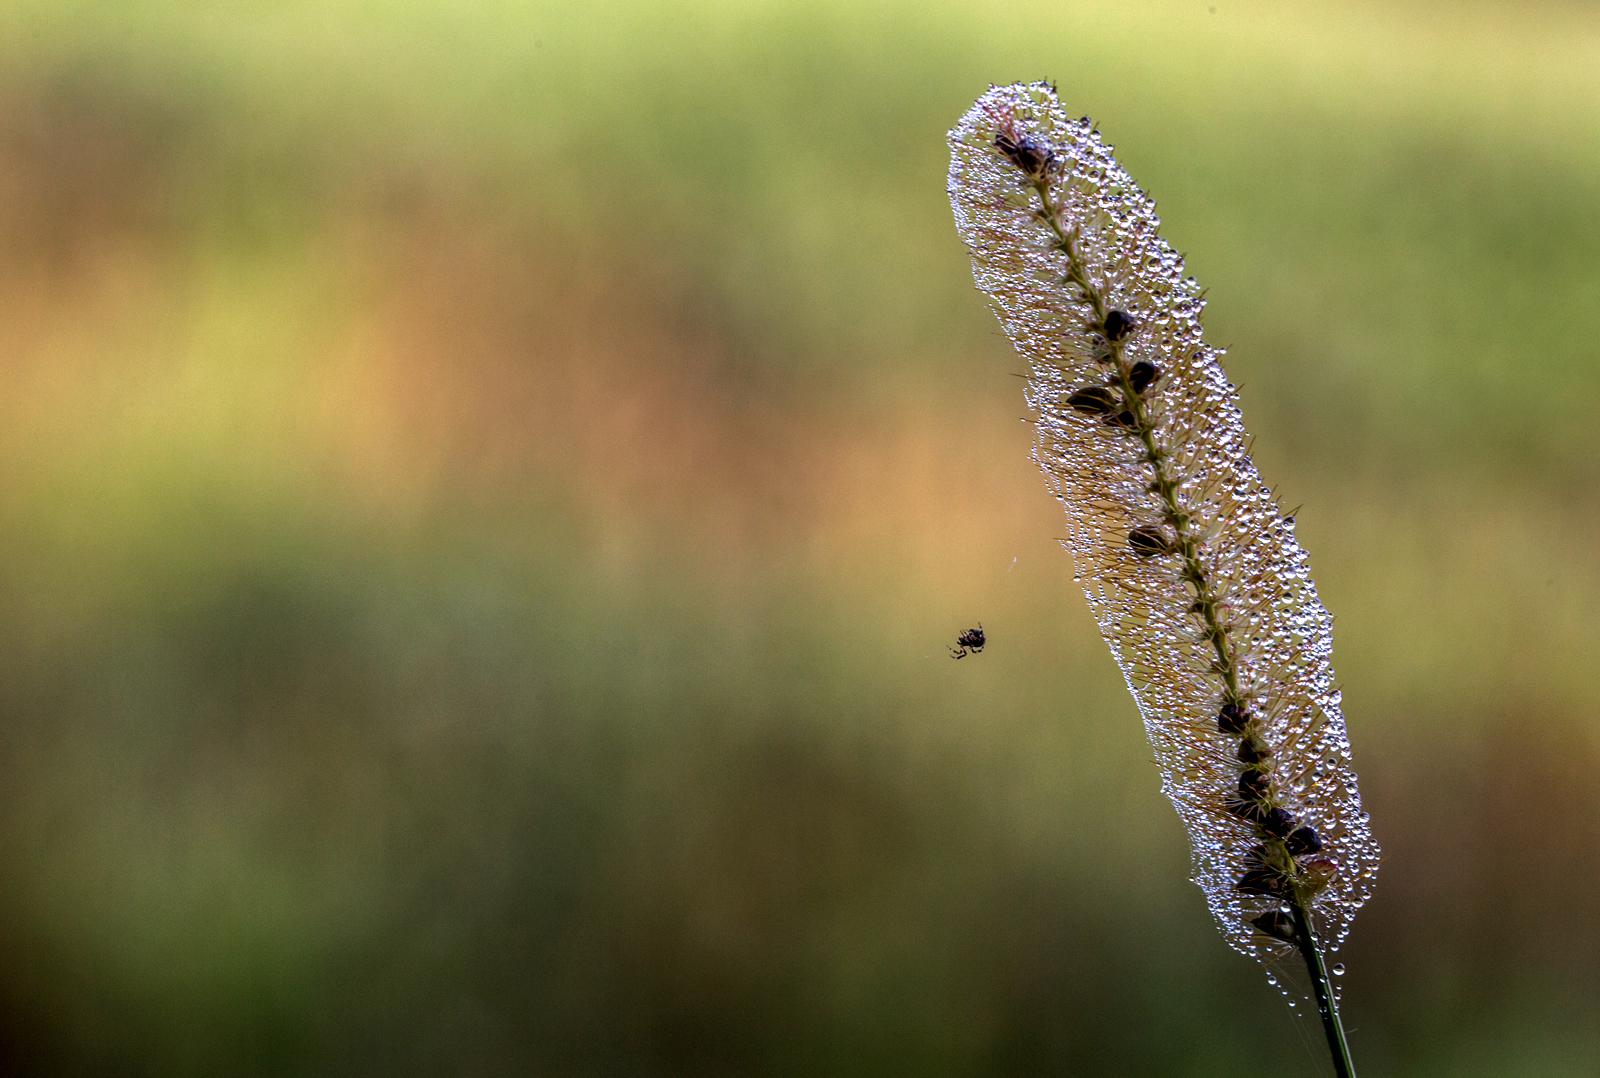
1303 840
1142 374
1117 325
1277 924
1149 542
1245 810
1123 421
1252 750
1262 880
1253 785
1232 719
1278 823
1096 400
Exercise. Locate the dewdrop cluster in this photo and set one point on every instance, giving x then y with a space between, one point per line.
1190 566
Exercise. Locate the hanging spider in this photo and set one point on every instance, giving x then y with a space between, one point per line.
971 641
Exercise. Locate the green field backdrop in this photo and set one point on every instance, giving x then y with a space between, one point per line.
486 488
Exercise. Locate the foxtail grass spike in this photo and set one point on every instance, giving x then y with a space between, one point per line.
1189 564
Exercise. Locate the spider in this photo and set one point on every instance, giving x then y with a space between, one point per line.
1032 156
969 642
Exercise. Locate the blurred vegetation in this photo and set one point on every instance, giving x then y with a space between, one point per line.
487 489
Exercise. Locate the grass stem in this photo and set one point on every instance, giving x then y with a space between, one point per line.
1327 1004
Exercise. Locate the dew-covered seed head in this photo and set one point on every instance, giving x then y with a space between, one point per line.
1065 245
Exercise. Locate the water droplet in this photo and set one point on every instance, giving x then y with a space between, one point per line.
1272 979
1338 969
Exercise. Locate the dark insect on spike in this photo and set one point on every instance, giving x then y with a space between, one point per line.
1149 542
1278 823
1303 840
1118 325
969 642
1142 374
1252 750
1232 719
1026 152
1277 924
1096 400
1253 785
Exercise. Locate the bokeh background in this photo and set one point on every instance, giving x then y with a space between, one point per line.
486 489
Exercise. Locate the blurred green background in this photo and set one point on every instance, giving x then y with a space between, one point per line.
486 489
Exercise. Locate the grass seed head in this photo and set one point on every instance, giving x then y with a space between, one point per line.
1189 565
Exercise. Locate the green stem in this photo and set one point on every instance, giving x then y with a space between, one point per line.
1327 1005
